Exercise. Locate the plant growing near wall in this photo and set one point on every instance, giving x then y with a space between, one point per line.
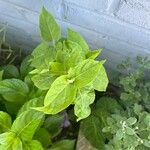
67 69
60 72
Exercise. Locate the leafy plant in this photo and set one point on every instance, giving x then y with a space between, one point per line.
123 124
67 69
35 93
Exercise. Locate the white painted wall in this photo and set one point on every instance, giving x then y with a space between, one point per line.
120 27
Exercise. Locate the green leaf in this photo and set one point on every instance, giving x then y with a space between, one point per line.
77 38
42 55
130 131
36 102
131 121
26 124
14 90
1 75
5 122
119 135
25 67
60 96
146 143
33 145
43 136
101 81
85 97
17 144
53 124
93 54
50 30
85 72
43 80
7 138
91 128
10 71
64 145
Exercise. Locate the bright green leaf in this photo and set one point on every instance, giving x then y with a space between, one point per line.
60 96
93 54
5 122
101 81
85 97
42 55
131 121
130 131
17 144
77 38
26 124
50 30
85 72
1 75
43 80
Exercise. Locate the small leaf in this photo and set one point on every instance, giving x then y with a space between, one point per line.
26 124
85 97
42 55
60 96
85 72
5 122
7 138
64 145
101 81
146 143
50 30
131 121
119 135
77 38
93 54
14 90
130 131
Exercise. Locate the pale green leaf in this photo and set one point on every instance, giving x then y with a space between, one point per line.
42 55
93 54
77 38
85 97
5 122
131 120
60 96
63 145
26 124
101 81
50 30
14 90
43 80
85 72
146 143
130 131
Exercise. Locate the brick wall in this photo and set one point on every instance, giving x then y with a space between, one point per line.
120 27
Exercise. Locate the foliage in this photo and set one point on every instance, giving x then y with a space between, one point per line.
123 124
35 94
